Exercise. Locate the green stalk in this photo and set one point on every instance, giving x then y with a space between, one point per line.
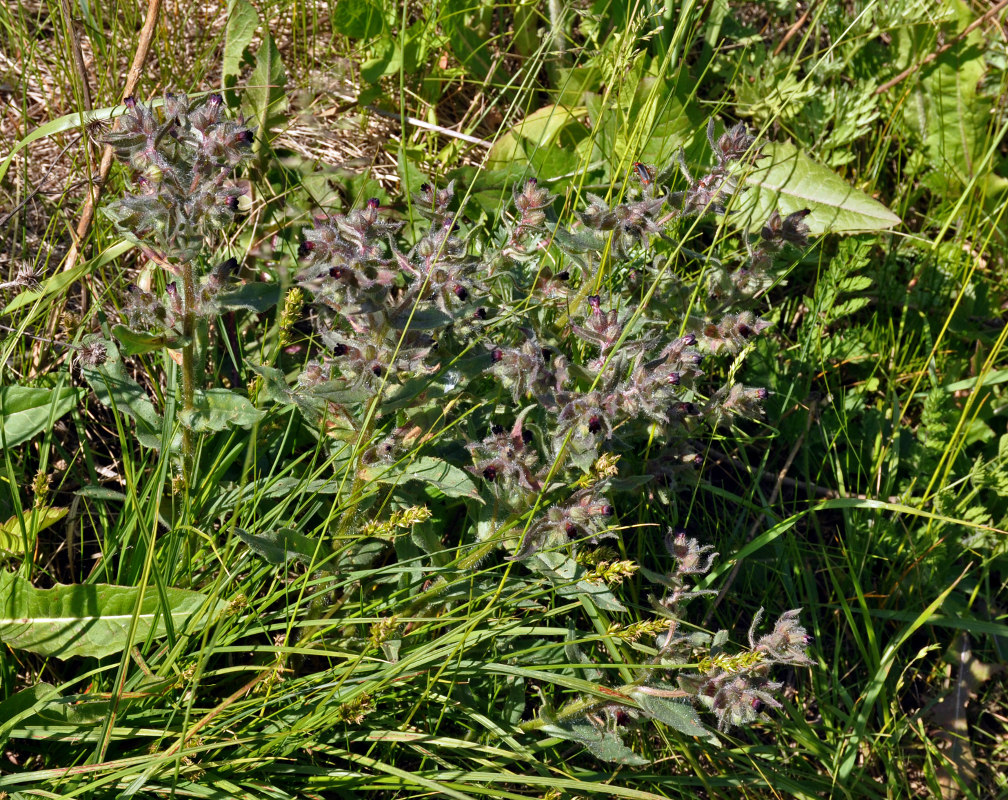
188 362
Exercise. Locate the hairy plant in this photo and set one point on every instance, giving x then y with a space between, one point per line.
548 355
539 373
182 155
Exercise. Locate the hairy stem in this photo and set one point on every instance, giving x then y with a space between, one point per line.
188 360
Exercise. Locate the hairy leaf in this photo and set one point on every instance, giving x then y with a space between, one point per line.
449 479
220 409
115 389
603 744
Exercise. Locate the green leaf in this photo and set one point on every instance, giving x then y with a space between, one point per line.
788 180
12 535
950 117
357 19
219 409
567 575
540 130
678 715
448 479
281 546
257 297
115 389
135 342
603 744
274 384
26 412
241 27
470 45
264 96
26 703
90 619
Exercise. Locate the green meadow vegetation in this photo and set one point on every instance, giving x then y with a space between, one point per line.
524 400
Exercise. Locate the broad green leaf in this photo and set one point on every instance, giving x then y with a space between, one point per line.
135 342
274 384
448 479
950 117
603 744
567 577
281 546
469 42
90 619
788 180
540 129
357 19
573 82
26 412
219 409
256 297
12 537
264 95
241 27
674 713
23 705
115 389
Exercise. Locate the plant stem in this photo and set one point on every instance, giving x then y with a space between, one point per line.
188 361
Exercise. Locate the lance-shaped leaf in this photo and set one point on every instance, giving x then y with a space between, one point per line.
603 744
12 535
115 389
242 22
447 478
92 619
23 705
219 409
674 713
283 545
26 412
788 180
567 577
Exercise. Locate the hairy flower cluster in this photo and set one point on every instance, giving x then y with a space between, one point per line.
736 687
584 517
149 312
183 154
381 309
